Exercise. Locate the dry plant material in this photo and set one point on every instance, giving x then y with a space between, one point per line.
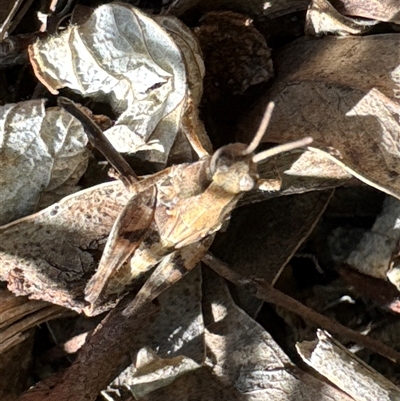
153 372
146 70
254 8
200 384
231 37
353 83
169 219
242 355
7 14
329 358
262 290
49 255
381 10
42 156
375 253
263 237
104 352
19 315
322 19
176 351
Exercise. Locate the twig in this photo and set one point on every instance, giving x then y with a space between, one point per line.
264 291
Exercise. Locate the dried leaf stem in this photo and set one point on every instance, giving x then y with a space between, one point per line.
264 291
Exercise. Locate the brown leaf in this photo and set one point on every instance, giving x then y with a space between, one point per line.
381 10
231 37
341 367
262 238
244 356
343 93
50 254
179 350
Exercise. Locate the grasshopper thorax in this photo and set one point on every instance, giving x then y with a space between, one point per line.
233 169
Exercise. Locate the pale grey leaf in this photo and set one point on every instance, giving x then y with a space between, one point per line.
42 152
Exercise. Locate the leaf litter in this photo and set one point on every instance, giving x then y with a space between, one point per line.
64 242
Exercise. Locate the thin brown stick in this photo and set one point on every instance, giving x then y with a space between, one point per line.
264 291
101 143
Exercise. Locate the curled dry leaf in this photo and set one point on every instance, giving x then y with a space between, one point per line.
344 94
154 372
43 155
322 18
341 367
124 57
51 254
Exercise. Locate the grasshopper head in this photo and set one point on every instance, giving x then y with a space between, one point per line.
234 167
232 170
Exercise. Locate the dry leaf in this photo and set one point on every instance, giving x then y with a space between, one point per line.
322 18
244 356
122 56
175 338
51 254
332 360
43 152
231 37
381 10
153 372
344 94
372 255
262 238
197 385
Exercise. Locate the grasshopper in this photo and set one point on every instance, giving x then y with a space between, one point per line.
172 216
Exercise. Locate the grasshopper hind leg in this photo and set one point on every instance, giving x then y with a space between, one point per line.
170 270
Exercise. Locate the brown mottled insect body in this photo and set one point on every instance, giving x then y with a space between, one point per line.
183 214
172 215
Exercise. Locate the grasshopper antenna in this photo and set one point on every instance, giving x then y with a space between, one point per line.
261 130
277 149
285 147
